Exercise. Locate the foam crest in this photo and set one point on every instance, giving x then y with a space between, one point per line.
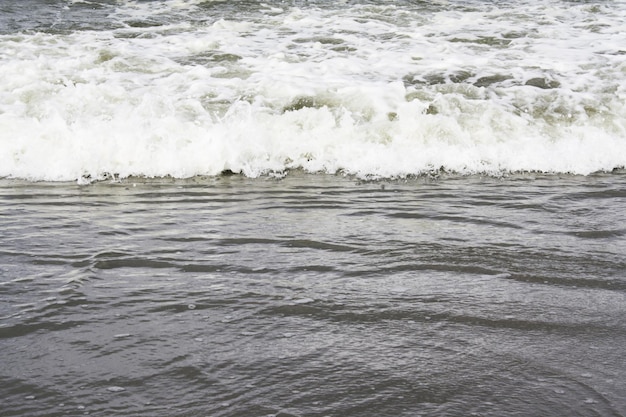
374 91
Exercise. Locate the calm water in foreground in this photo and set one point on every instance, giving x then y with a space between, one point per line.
314 295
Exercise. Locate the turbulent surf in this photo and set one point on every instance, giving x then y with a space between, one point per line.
376 89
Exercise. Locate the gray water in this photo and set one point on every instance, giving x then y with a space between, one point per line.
314 295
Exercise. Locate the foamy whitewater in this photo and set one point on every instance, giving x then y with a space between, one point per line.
94 89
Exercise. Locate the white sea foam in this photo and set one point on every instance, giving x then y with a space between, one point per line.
385 91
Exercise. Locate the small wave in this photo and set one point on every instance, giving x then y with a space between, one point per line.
184 89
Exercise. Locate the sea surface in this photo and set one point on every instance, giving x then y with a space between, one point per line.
312 208
314 295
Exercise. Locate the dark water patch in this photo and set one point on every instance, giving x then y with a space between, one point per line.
305 102
568 329
483 40
344 49
35 326
346 314
48 261
313 269
392 267
133 262
31 399
211 58
189 239
248 241
490 80
599 191
460 76
598 234
309 244
437 217
320 39
543 83
144 23
203 268
115 233
617 283
514 34
455 77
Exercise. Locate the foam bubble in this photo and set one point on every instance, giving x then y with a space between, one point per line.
374 91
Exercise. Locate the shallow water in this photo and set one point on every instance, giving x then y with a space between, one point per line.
314 295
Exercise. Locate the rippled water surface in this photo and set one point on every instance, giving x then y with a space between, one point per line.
314 295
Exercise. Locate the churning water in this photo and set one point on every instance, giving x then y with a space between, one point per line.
375 89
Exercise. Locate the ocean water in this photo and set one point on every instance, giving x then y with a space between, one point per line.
314 295
312 208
